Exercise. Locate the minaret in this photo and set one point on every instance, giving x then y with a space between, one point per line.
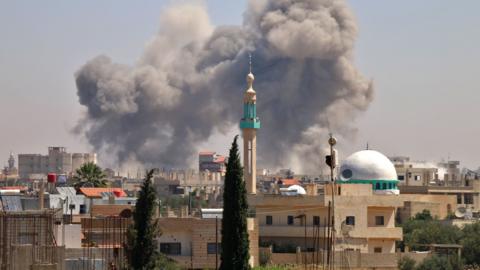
249 125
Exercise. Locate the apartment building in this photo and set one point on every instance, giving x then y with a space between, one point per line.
57 161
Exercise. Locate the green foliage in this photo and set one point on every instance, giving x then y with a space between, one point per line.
89 175
235 243
406 263
471 243
142 248
423 229
264 257
441 263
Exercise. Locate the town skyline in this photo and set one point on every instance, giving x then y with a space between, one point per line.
433 113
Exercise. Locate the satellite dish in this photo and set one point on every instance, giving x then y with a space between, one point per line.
460 212
126 213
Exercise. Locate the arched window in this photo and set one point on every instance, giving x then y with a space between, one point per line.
384 186
377 185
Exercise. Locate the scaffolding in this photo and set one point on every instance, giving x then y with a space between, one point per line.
28 238
104 241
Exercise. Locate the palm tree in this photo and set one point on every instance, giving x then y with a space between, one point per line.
89 174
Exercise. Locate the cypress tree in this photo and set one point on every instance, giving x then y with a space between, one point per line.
235 243
142 247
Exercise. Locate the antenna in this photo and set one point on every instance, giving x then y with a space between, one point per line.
367 146
250 62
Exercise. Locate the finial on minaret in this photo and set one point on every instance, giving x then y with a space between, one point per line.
250 62
250 76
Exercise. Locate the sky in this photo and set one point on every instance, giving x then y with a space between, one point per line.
421 55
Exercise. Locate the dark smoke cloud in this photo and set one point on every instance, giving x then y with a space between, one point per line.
189 83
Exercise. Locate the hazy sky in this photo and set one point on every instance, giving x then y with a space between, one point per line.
422 56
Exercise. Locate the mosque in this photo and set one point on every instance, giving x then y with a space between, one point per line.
365 199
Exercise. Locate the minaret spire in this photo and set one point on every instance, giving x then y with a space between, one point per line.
249 125
250 63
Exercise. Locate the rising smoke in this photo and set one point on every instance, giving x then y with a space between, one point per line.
189 83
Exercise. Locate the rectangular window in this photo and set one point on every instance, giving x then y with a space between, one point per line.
468 198
401 177
316 220
350 220
290 220
459 198
377 250
417 178
268 220
379 220
171 248
213 248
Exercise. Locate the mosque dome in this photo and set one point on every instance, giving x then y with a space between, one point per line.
367 165
298 189
370 167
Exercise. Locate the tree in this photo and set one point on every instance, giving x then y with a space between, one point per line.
406 263
235 243
471 243
423 229
444 262
89 174
142 248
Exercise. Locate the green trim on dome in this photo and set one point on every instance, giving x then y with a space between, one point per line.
376 184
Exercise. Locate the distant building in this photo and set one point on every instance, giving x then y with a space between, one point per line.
211 161
414 173
57 161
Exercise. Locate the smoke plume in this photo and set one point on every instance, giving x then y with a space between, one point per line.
189 84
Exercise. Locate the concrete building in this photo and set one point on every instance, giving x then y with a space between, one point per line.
366 199
193 242
415 173
212 162
249 125
57 161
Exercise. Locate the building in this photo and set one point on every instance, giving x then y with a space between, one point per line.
415 173
212 162
194 243
57 161
249 125
366 199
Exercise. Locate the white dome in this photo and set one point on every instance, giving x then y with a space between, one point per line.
367 165
300 190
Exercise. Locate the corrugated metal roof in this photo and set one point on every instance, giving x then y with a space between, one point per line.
11 203
98 192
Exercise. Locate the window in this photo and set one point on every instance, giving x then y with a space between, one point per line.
171 248
290 220
384 186
350 220
377 186
268 220
417 178
379 220
401 177
347 173
377 250
316 220
213 248
459 198
468 198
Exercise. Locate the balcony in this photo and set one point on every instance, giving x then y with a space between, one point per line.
286 231
378 232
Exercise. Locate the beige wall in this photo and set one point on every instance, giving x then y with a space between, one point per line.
351 200
194 234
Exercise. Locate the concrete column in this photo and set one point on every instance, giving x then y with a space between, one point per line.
250 159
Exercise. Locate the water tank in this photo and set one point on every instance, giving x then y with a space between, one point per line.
52 178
